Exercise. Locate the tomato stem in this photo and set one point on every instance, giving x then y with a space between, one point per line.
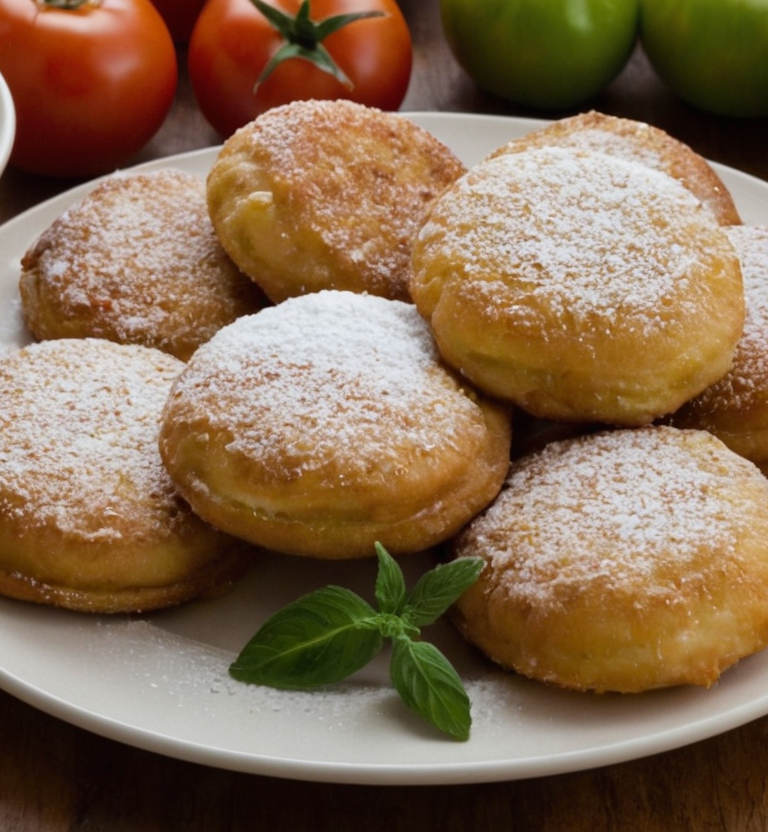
303 38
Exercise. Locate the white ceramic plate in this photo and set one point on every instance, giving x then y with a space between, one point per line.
7 123
160 682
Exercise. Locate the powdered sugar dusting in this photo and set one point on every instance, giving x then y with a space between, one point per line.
612 143
137 261
617 509
166 672
746 384
355 178
80 420
589 233
330 375
193 672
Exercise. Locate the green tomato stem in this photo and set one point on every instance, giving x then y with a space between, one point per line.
303 38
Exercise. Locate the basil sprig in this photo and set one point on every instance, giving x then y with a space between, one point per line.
326 635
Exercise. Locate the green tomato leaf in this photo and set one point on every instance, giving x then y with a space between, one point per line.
430 686
437 589
284 23
317 55
390 583
319 639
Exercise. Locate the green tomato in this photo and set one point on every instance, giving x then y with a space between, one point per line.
712 53
547 54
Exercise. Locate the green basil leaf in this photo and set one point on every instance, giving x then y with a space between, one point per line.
319 639
390 583
437 589
430 686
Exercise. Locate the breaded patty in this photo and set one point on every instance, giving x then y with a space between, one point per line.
579 286
327 195
735 408
622 561
327 422
136 262
641 142
89 518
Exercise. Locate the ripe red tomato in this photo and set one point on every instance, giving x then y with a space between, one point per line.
91 82
233 41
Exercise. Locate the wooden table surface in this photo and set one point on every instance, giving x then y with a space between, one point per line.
54 776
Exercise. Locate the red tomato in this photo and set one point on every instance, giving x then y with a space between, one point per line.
179 16
233 41
91 85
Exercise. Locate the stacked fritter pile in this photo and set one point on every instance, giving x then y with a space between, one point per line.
590 278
